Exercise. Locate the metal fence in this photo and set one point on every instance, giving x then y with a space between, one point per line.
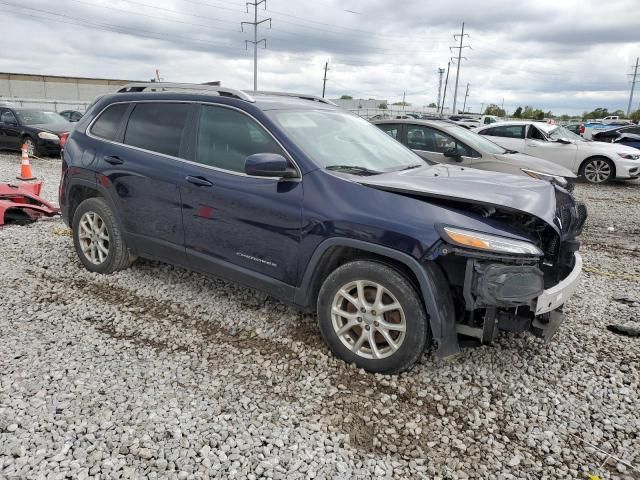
47 104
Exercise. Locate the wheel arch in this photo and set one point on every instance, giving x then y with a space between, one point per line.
593 157
427 278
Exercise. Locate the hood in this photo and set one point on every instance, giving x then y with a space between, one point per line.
608 147
522 160
501 190
56 128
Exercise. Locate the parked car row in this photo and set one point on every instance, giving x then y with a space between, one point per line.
43 132
293 196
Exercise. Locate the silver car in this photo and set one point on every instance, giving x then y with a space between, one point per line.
444 142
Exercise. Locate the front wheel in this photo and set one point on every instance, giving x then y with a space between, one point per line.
597 170
371 315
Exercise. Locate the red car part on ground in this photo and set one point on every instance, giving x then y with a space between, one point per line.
22 203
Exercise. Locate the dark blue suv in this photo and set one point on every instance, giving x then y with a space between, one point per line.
293 196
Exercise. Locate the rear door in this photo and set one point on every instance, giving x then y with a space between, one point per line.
436 146
9 130
142 168
237 226
394 130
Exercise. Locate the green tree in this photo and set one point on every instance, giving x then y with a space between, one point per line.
382 106
432 105
619 113
406 104
635 116
564 117
346 97
518 113
494 109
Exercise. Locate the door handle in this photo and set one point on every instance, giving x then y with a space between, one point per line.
113 160
199 181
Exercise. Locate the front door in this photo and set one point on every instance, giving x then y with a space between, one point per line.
237 226
9 130
537 145
436 146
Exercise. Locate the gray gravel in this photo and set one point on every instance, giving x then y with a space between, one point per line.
163 373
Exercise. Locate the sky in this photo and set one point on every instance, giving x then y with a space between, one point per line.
564 56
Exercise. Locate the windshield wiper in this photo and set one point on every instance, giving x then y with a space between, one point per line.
409 167
353 169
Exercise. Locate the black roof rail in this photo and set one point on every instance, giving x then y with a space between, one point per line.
194 87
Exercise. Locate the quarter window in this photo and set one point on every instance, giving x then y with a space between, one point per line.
157 127
227 137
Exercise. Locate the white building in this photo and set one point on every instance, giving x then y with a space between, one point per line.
53 92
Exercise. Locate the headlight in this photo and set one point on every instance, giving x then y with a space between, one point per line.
48 136
629 156
492 243
546 176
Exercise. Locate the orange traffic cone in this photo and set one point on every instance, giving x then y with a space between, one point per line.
25 168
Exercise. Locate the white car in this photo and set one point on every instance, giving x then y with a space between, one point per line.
597 162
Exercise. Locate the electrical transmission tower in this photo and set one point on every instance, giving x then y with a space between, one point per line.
324 80
255 41
457 62
633 86
464 105
441 72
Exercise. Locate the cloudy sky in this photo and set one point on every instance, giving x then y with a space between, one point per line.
565 56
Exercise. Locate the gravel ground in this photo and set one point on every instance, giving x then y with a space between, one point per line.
163 373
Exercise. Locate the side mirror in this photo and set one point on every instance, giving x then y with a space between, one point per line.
268 165
563 140
453 154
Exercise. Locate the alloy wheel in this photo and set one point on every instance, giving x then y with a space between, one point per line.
94 237
368 319
597 171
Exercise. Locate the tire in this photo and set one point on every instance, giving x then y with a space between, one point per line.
349 334
597 170
98 239
32 148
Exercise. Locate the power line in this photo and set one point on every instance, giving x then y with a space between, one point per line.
255 41
460 57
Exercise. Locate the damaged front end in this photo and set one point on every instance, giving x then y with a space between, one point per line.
510 287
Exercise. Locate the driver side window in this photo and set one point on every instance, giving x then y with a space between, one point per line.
431 140
8 118
536 134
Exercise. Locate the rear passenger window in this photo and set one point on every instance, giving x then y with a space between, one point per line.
157 127
227 137
508 131
107 124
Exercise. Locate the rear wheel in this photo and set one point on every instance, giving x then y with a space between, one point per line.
32 149
597 170
97 237
371 315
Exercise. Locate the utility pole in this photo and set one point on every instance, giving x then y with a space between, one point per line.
255 41
460 57
403 95
464 105
441 72
633 85
446 82
324 80
482 108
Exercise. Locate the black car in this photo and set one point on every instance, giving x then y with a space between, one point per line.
615 132
41 131
71 115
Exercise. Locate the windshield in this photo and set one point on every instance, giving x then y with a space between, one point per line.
37 117
475 141
562 132
332 138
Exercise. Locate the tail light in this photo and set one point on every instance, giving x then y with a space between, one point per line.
63 139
